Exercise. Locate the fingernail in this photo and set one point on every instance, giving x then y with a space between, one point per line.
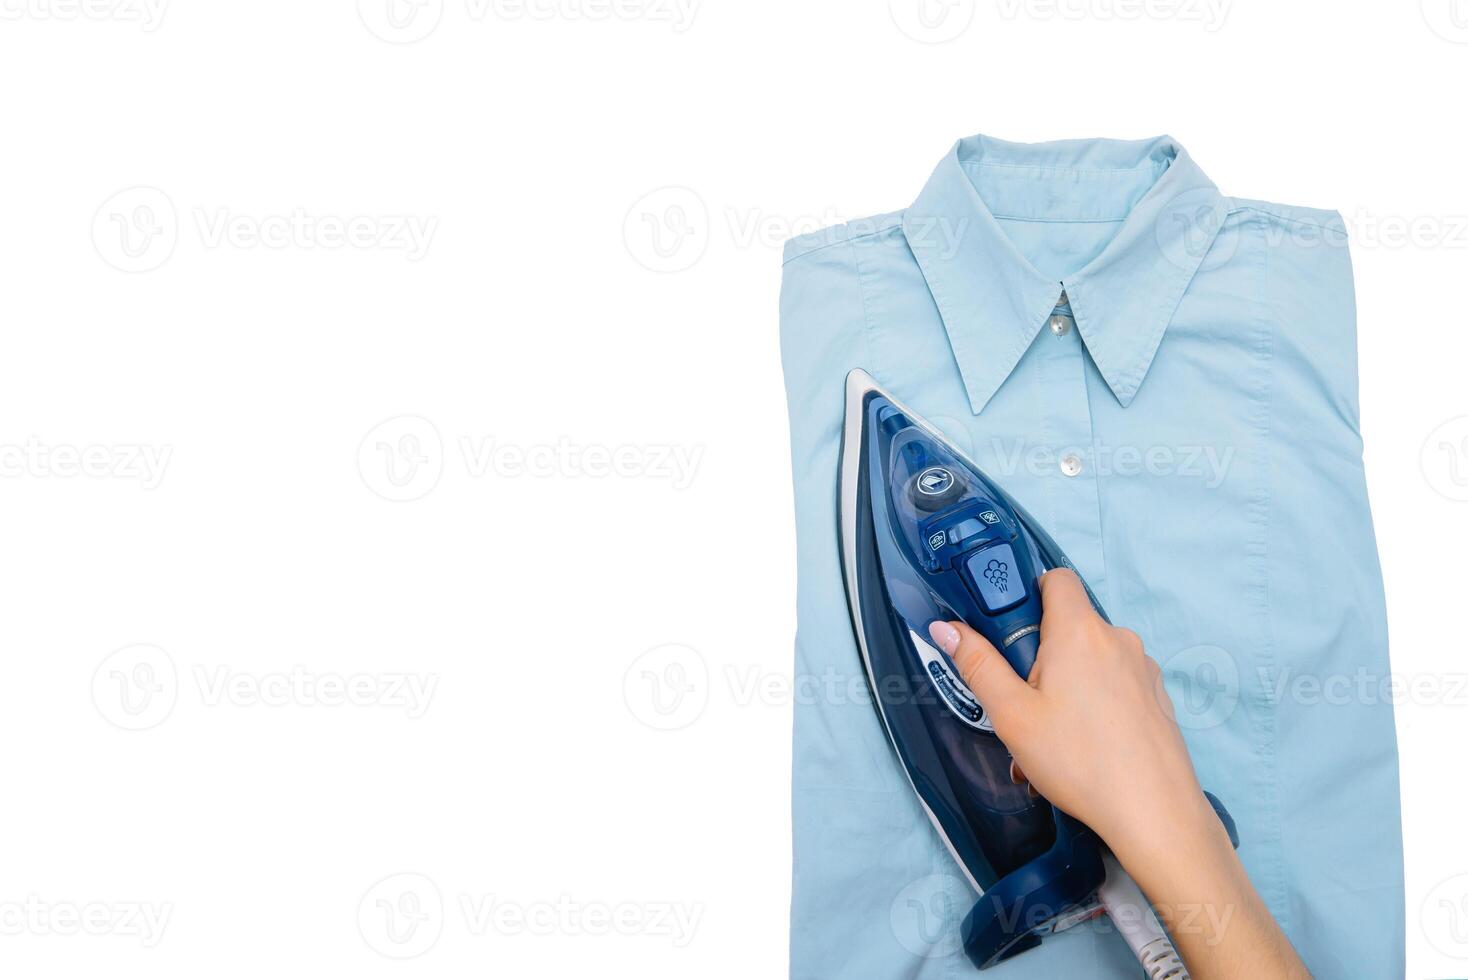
945 636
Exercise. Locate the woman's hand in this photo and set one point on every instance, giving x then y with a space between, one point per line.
1093 732
1093 729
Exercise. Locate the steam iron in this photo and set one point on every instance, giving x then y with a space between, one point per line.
926 536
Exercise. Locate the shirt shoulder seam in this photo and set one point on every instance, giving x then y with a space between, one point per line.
1279 215
818 241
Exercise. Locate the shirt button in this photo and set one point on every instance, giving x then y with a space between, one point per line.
1070 464
1059 324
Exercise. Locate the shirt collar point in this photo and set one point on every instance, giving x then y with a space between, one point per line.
989 298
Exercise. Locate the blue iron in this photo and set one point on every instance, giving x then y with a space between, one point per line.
926 536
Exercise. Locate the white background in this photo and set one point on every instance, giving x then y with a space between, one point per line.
220 385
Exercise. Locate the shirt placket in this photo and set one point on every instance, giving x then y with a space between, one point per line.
1069 463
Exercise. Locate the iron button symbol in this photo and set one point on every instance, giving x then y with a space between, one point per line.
935 487
997 572
935 480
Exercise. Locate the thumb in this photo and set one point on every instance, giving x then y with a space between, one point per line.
1002 692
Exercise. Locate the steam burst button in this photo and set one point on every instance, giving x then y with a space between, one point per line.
995 578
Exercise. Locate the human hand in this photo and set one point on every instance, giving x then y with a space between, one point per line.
1092 730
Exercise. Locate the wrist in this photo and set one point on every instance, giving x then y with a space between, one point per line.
1178 828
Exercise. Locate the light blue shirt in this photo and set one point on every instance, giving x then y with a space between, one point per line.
1166 378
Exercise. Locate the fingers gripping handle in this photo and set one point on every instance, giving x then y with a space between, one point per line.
1022 651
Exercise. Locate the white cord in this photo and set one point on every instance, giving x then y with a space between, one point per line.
1138 925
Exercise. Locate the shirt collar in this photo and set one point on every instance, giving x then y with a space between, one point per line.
992 298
